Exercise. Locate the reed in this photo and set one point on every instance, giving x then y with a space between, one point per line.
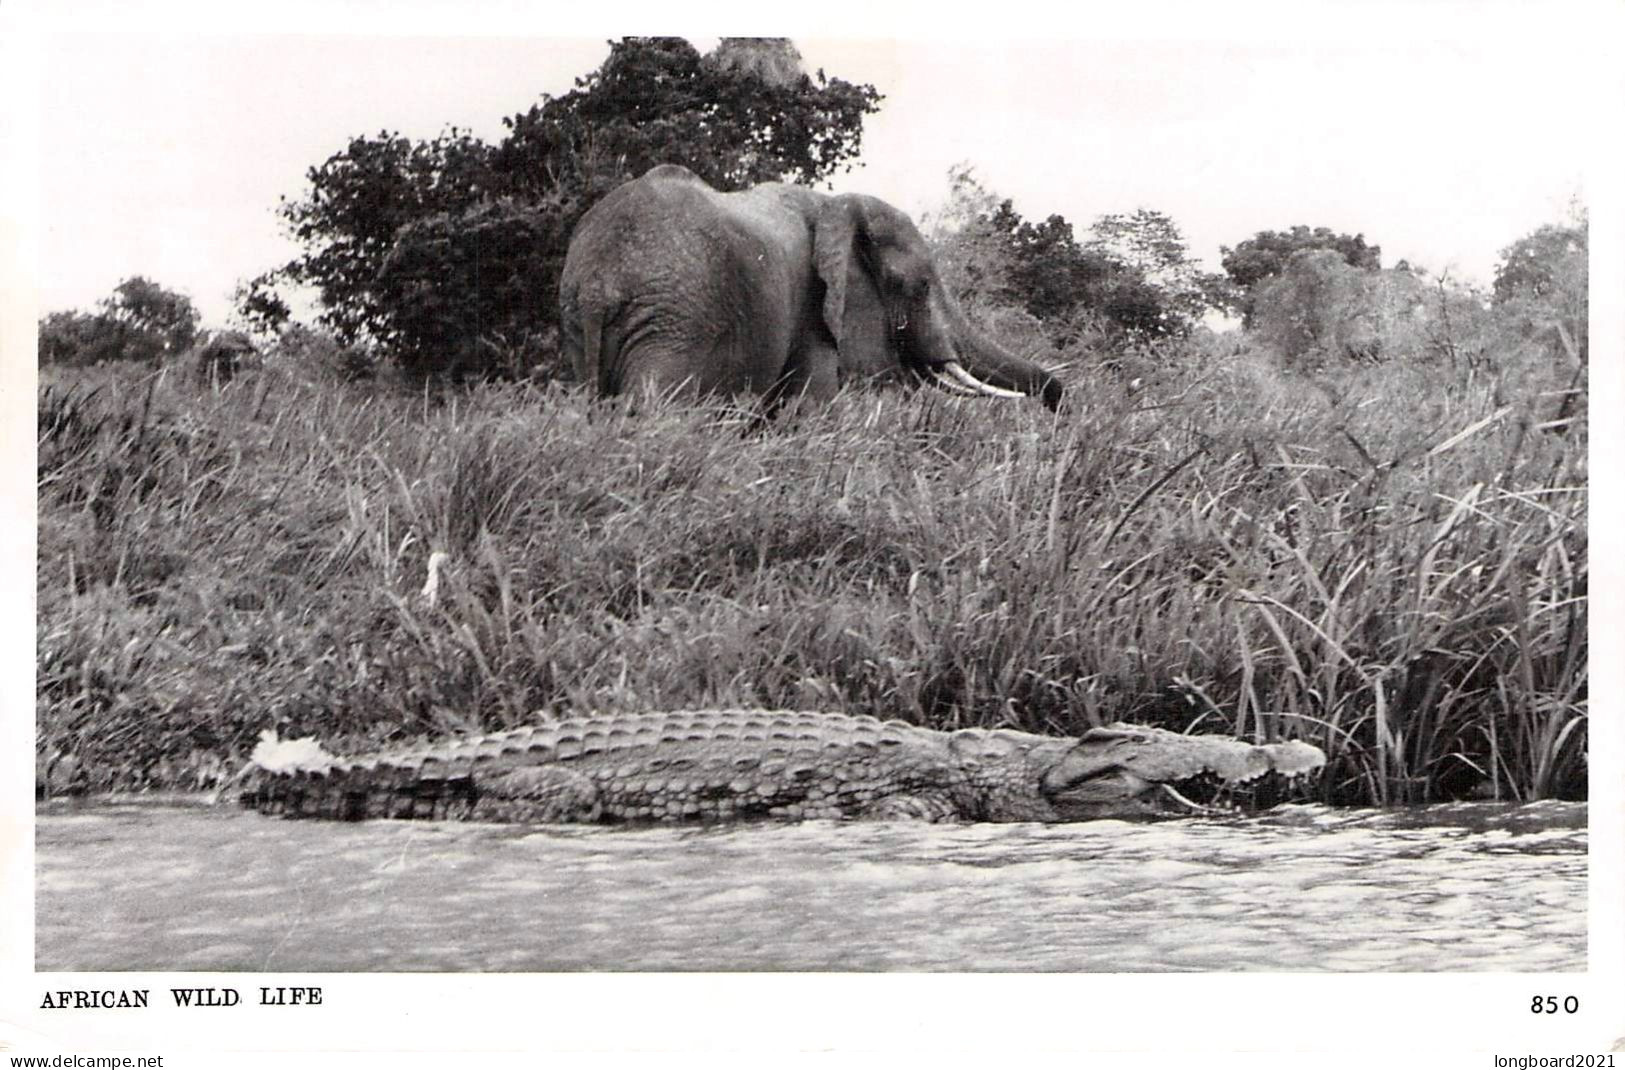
1391 567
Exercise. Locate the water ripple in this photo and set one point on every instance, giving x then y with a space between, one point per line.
1460 887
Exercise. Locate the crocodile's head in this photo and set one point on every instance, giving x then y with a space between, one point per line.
1125 770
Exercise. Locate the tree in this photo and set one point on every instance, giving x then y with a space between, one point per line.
358 201
405 242
140 321
1265 255
1540 263
78 338
1320 309
1543 282
1301 310
164 316
466 289
1151 244
259 308
1133 272
972 255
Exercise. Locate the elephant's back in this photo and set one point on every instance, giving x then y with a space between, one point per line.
668 192
634 223
777 213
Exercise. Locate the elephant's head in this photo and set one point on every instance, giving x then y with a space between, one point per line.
887 308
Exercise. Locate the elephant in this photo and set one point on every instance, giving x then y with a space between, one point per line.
777 291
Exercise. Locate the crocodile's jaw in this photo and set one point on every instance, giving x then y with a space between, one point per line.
1125 770
1081 780
1113 792
1020 777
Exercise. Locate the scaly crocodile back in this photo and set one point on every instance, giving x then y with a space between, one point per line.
682 765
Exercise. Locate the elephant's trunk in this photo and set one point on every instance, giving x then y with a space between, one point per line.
991 363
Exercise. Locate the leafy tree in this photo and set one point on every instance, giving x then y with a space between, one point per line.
1302 310
1320 309
1133 271
259 308
471 285
972 255
144 307
359 199
1265 255
1536 265
1151 244
78 338
140 321
1050 273
441 250
656 100
1543 283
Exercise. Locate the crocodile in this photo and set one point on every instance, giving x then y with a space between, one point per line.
722 765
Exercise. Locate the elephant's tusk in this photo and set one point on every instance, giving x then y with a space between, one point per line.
954 369
952 385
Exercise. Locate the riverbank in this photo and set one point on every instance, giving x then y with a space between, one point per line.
1396 574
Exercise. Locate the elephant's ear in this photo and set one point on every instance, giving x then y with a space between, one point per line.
834 236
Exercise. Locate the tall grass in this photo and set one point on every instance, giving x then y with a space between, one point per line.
1394 571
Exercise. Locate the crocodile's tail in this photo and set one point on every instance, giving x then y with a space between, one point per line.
300 778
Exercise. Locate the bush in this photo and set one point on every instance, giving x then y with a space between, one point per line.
1319 310
467 287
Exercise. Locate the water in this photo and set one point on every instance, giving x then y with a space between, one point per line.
144 886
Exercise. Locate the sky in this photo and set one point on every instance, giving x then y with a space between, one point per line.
1438 131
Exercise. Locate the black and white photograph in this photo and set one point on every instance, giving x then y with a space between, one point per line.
1001 533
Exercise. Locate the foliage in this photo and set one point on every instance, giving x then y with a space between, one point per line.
1543 282
1150 243
456 280
387 214
656 100
315 357
1525 345
1537 265
970 255
258 308
147 308
359 199
1132 273
84 338
140 321
1320 309
1266 254
1381 561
